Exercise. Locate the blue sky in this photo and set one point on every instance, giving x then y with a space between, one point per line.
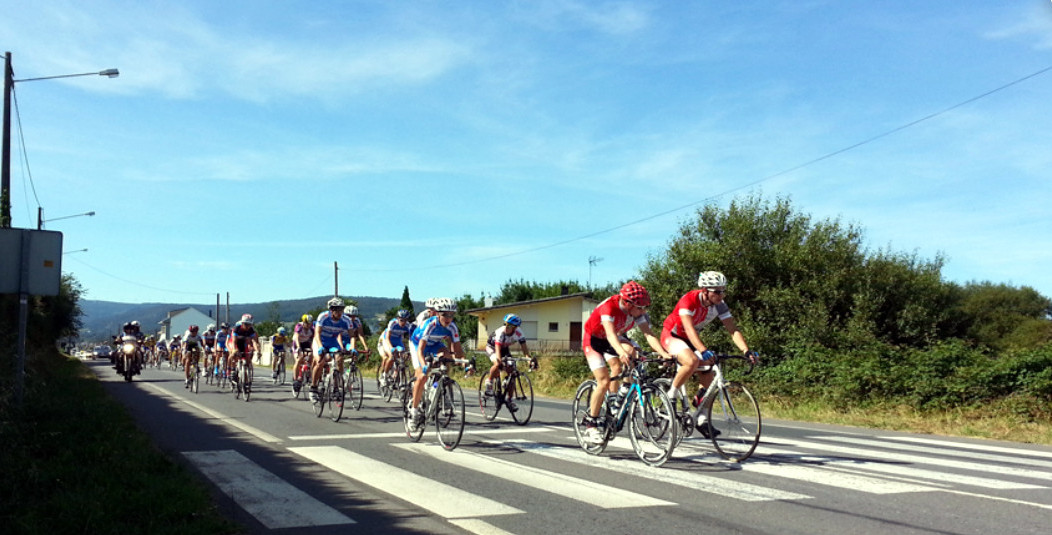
451 146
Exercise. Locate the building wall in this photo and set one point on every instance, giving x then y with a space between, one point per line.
180 321
546 324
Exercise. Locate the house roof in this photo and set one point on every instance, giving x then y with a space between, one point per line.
586 295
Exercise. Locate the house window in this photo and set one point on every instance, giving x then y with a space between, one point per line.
553 326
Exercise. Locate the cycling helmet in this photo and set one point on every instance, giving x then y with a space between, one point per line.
224 325
430 303
135 323
445 304
636 293
281 331
711 279
211 327
194 329
246 319
403 314
307 318
335 302
352 310
127 326
512 319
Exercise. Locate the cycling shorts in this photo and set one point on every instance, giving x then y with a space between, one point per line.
598 351
505 351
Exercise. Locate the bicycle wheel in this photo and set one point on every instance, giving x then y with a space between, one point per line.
388 390
488 405
683 416
735 418
355 388
323 395
449 414
581 401
335 397
523 398
245 380
407 403
195 380
279 376
652 426
384 391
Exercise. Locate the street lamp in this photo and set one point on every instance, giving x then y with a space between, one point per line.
75 251
5 163
41 220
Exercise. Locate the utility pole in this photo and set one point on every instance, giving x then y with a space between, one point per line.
336 277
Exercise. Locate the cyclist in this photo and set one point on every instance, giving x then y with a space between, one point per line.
209 337
302 337
331 330
429 340
150 344
498 347
398 329
357 332
277 350
192 344
242 341
605 343
221 338
173 348
429 310
679 335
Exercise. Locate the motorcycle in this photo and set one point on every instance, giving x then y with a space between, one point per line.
127 361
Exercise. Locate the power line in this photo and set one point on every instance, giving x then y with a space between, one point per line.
169 290
732 190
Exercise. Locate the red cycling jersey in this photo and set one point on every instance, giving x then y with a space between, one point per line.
690 305
610 310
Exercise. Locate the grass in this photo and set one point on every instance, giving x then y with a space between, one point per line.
74 462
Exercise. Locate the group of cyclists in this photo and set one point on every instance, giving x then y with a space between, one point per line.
607 347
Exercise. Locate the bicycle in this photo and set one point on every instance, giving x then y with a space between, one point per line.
193 355
442 403
397 377
732 418
302 374
195 379
279 370
241 379
330 393
353 381
645 408
516 387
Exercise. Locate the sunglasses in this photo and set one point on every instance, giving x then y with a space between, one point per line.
718 292
446 314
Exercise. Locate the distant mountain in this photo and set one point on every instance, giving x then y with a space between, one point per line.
104 318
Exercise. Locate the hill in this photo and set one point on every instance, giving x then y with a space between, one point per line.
104 318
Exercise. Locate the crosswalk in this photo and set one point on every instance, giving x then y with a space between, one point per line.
840 463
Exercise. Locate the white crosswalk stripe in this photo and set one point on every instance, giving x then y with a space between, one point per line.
442 499
1015 458
273 501
603 496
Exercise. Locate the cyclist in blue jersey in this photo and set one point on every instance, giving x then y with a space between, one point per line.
396 334
331 330
429 340
357 331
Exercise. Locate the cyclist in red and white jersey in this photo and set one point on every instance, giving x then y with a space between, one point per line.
302 337
680 337
605 343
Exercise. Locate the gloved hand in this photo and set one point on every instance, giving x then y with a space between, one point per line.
707 355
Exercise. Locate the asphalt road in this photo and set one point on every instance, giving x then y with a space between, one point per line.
276 468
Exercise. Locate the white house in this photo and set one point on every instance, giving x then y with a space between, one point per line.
178 321
549 324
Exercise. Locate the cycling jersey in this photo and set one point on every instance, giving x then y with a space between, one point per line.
501 337
396 332
210 339
610 310
192 340
329 328
241 334
433 333
303 333
690 305
221 338
423 316
278 341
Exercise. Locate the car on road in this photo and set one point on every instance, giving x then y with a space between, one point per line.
101 352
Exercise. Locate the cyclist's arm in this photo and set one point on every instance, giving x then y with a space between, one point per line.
655 344
525 349
615 342
687 324
736 334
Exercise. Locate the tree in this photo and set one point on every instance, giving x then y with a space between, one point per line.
517 291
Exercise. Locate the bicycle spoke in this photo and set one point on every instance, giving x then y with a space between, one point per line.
735 414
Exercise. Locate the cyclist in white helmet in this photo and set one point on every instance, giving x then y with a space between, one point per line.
357 331
679 335
428 340
331 330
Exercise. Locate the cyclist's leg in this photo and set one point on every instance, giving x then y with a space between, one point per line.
494 369
598 364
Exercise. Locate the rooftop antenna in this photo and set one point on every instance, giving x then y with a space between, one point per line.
592 260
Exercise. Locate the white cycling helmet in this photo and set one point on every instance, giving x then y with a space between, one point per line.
445 304
351 310
430 303
211 327
711 279
335 302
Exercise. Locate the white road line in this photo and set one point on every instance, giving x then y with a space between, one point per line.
570 487
914 460
477 526
914 473
1013 459
262 435
973 446
833 478
271 500
444 500
467 431
714 485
